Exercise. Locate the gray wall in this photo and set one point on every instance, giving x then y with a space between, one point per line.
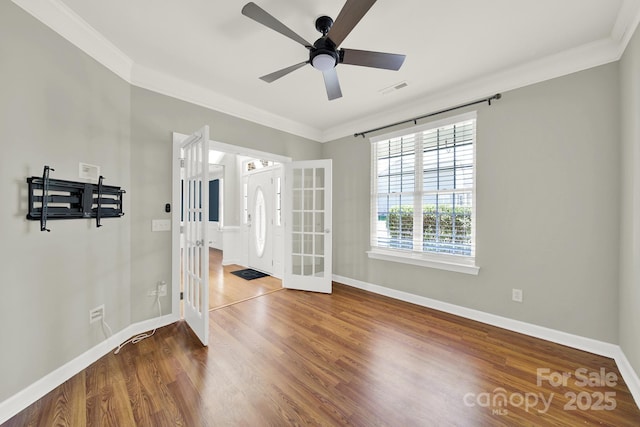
630 202
548 199
58 107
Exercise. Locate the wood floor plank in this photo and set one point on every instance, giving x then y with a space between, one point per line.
263 370
348 358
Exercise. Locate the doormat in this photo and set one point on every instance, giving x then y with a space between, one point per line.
249 274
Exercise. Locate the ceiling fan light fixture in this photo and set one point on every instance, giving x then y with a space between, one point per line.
325 54
323 62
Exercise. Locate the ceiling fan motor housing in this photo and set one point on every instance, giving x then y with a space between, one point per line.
323 46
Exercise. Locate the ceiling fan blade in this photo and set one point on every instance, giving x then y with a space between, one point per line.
366 58
255 12
332 84
351 13
270 78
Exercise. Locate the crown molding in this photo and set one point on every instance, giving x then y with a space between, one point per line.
553 66
165 84
583 57
626 22
57 16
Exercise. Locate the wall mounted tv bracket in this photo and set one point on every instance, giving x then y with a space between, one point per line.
60 199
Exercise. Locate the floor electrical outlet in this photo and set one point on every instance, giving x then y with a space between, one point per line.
96 314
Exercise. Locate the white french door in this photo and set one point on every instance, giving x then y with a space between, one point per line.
195 214
308 245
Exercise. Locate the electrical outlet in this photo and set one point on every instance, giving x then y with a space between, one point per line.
516 295
96 314
160 289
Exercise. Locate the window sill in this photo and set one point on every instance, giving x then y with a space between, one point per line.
449 263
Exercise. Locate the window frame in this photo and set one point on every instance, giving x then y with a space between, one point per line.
457 263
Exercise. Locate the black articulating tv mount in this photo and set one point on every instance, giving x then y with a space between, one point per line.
60 199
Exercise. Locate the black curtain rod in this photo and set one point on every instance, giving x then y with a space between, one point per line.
415 121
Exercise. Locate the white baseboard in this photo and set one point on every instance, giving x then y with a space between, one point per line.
575 341
629 374
38 389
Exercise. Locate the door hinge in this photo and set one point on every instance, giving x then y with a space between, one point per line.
181 296
181 163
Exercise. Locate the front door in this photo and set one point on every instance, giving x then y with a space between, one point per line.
260 220
308 253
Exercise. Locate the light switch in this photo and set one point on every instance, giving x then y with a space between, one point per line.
160 225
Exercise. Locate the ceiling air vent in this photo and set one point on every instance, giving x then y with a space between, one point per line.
393 88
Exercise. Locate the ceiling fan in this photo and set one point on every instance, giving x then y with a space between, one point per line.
324 54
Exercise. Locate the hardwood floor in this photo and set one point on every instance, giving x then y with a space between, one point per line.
349 358
225 288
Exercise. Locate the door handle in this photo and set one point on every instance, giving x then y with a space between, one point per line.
326 230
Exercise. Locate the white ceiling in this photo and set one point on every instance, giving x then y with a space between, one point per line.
206 52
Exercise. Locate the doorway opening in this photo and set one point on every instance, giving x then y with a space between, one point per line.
256 182
277 207
234 228
260 245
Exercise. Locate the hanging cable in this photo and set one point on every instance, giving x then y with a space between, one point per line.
415 120
139 337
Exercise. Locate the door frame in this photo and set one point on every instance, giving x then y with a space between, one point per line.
176 200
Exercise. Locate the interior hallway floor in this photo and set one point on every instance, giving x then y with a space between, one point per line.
226 289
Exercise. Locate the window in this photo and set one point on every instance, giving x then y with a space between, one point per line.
278 201
245 201
255 164
423 195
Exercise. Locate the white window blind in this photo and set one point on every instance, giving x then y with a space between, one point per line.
423 189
